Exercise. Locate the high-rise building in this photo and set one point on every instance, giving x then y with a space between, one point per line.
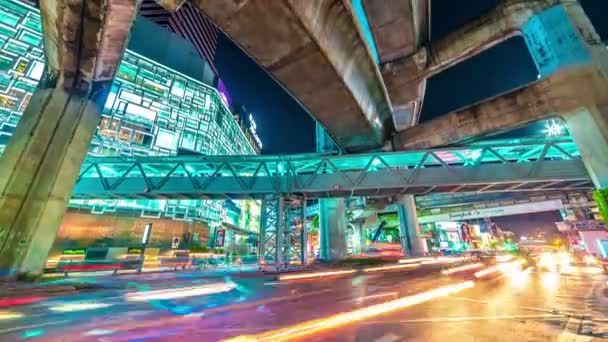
189 23
160 103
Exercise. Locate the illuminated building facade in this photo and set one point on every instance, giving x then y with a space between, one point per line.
160 103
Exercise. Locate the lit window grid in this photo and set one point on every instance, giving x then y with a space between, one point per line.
20 56
210 121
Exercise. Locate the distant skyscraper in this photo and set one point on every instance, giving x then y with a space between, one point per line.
189 23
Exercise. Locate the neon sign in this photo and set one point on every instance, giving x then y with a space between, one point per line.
252 127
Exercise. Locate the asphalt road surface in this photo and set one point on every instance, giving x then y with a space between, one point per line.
406 304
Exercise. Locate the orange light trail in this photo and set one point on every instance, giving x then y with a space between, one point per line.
415 260
314 275
503 268
389 268
315 326
462 268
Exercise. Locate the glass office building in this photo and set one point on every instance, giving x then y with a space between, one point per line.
155 107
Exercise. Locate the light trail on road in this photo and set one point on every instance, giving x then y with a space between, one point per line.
315 326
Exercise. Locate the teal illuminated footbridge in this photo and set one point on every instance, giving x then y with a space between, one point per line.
553 165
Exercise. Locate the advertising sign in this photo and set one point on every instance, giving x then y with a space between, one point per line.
582 225
175 242
219 237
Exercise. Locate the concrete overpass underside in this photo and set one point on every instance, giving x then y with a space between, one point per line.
316 51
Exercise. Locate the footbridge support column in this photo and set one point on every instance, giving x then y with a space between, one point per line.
83 43
283 235
332 229
409 229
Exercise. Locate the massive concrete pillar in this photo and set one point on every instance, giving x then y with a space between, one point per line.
83 42
332 229
409 229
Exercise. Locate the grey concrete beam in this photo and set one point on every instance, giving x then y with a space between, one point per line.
405 78
399 27
559 94
315 50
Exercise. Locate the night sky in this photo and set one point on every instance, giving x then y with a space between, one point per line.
285 127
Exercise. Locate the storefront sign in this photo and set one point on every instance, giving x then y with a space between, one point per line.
219 237
583 225
507 210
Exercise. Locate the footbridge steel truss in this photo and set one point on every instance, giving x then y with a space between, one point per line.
552 165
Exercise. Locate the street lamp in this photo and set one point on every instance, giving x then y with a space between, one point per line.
553 128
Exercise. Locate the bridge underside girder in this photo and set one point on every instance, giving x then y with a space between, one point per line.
315 50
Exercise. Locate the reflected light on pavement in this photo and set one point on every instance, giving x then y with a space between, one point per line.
550 281
520 279
180 292
315 326
314 275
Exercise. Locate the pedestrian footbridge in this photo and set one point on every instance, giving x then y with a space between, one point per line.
552 165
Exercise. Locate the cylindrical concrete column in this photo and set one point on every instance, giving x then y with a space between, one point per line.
332 229
409 229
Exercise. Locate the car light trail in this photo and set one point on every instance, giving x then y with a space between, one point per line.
314 275
180 292
6 315
443 260
20 301
415 260
462 268
315 326
506 268
390 268
504 258
71 307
